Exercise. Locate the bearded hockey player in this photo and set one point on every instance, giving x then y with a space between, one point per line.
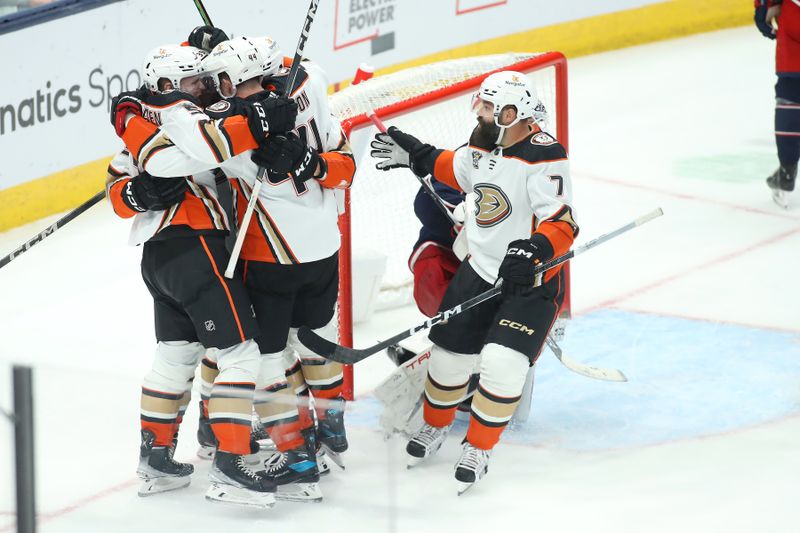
520 176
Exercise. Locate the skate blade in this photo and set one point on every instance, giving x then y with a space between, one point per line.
157 485
464 487
413 461
335 457
781 198
239 496
206 452
299 492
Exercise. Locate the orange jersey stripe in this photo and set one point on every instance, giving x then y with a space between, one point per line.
443 169
138 132
341 169
237 131
224 286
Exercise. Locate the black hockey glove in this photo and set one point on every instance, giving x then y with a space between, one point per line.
522 256
206 37
124 103
398 149
146 193
760 18
288 154
271 115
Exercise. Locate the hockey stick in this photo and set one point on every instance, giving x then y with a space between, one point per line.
341 354
262 172
604 374
51 229
203 13
425 182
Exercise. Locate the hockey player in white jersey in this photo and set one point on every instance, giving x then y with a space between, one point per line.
197 311
523 216
289 257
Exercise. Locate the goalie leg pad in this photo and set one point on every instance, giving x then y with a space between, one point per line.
231 404
164 391
503 373
446 384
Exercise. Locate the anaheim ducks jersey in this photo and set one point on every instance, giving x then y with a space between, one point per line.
198 212
519 190
295 221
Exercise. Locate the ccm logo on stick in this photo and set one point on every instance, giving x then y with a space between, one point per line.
522 328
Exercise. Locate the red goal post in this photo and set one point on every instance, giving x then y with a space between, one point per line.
431 102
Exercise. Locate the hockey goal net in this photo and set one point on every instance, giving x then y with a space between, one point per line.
431 102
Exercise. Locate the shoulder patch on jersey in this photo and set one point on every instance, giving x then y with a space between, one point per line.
220 107
476 157
543 139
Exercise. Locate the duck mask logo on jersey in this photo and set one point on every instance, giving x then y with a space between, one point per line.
491 205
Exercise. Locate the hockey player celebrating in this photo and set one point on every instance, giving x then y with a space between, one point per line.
787 90
182 228
289 256
523 216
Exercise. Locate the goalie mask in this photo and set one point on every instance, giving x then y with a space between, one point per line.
240 59
180 65
509 88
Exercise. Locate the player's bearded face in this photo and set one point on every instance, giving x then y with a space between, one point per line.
485 134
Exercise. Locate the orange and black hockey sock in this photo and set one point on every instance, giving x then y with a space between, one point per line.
159 414
325 380
230 414
490 415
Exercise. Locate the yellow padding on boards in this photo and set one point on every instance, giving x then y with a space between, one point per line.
62 191
66 190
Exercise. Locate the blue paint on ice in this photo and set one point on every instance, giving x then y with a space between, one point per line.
687 378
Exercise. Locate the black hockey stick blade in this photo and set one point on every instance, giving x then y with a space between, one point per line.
349 356
27 245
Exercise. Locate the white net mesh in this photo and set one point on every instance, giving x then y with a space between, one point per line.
382 215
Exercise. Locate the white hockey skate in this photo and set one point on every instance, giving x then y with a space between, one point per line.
425 443
232 481
471 466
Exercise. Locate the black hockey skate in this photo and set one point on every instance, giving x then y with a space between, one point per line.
310 437
781 183
295 473
205 437
232 481
471 466
158 471
331 432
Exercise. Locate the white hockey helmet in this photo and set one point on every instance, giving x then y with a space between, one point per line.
171 62
270 53
240 59
510 88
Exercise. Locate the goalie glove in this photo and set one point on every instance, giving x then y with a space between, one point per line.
397 149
